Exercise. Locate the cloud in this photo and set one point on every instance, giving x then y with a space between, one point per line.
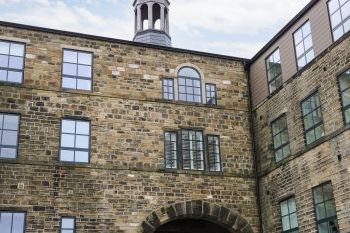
232 27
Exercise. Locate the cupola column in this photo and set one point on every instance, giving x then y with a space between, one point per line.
162 18
139 21
150 15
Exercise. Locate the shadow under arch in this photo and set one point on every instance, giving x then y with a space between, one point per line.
200 210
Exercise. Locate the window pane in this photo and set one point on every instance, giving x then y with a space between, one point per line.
306 29
5 222
83 127
84 71
318 195
323 228
67 231
4 47
85 58
9 153
9 138
17 49
69 69
3 75
68 223
310 137
4 61
67 140
18 223
82 142
11 122
330 208
70 56
310 56
336 18
14 76
292 205
189 72
84 84
81 156
67 155
298 37
68 126
300 49
301 62
284 208
320 211
346 10
337 33
69 83
308 42
285 223
293 221
16 63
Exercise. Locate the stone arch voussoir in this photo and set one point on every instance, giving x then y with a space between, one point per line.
196 209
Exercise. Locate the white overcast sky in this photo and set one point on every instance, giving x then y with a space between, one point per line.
232 27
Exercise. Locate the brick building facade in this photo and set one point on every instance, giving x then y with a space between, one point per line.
104 135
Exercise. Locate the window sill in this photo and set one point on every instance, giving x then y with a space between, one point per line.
193 172
178 102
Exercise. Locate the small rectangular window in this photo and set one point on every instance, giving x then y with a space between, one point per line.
344 85
339 13
192 150
324 204
9 133
280 138
12 222
170 150
289 216
75 141
11 61
210 92
168 88
77 70
274 71
67 225
214 156
303 45
312 118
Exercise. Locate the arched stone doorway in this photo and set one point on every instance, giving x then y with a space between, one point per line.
191 226
193 214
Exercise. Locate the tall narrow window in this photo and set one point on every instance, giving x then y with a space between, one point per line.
11 61
168 88
344 84
9 128
280 138
67 225
12 222
214 157
192 150
189 85
274 71
326 214
303 45
77 70
339 12
75 141
289 216
210 93
312 117
170 150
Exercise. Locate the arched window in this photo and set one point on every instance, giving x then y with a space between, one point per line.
189 81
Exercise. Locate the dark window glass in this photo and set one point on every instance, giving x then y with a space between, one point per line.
75 141
9 128
324 205
289 216
170 150
168 89
274 71
339 13
192 150
344 84
210 93
312 117
280 138
214 157
189 85
303 45
11 61
67 225
12 222
77 70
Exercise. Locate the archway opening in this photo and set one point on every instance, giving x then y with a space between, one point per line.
191 226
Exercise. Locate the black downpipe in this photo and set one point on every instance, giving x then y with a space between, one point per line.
257 187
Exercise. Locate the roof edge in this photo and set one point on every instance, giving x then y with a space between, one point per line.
284 29
125 42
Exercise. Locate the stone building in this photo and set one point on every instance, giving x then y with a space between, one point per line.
106 135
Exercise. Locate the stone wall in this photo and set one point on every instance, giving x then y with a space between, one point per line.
125 180
308 166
